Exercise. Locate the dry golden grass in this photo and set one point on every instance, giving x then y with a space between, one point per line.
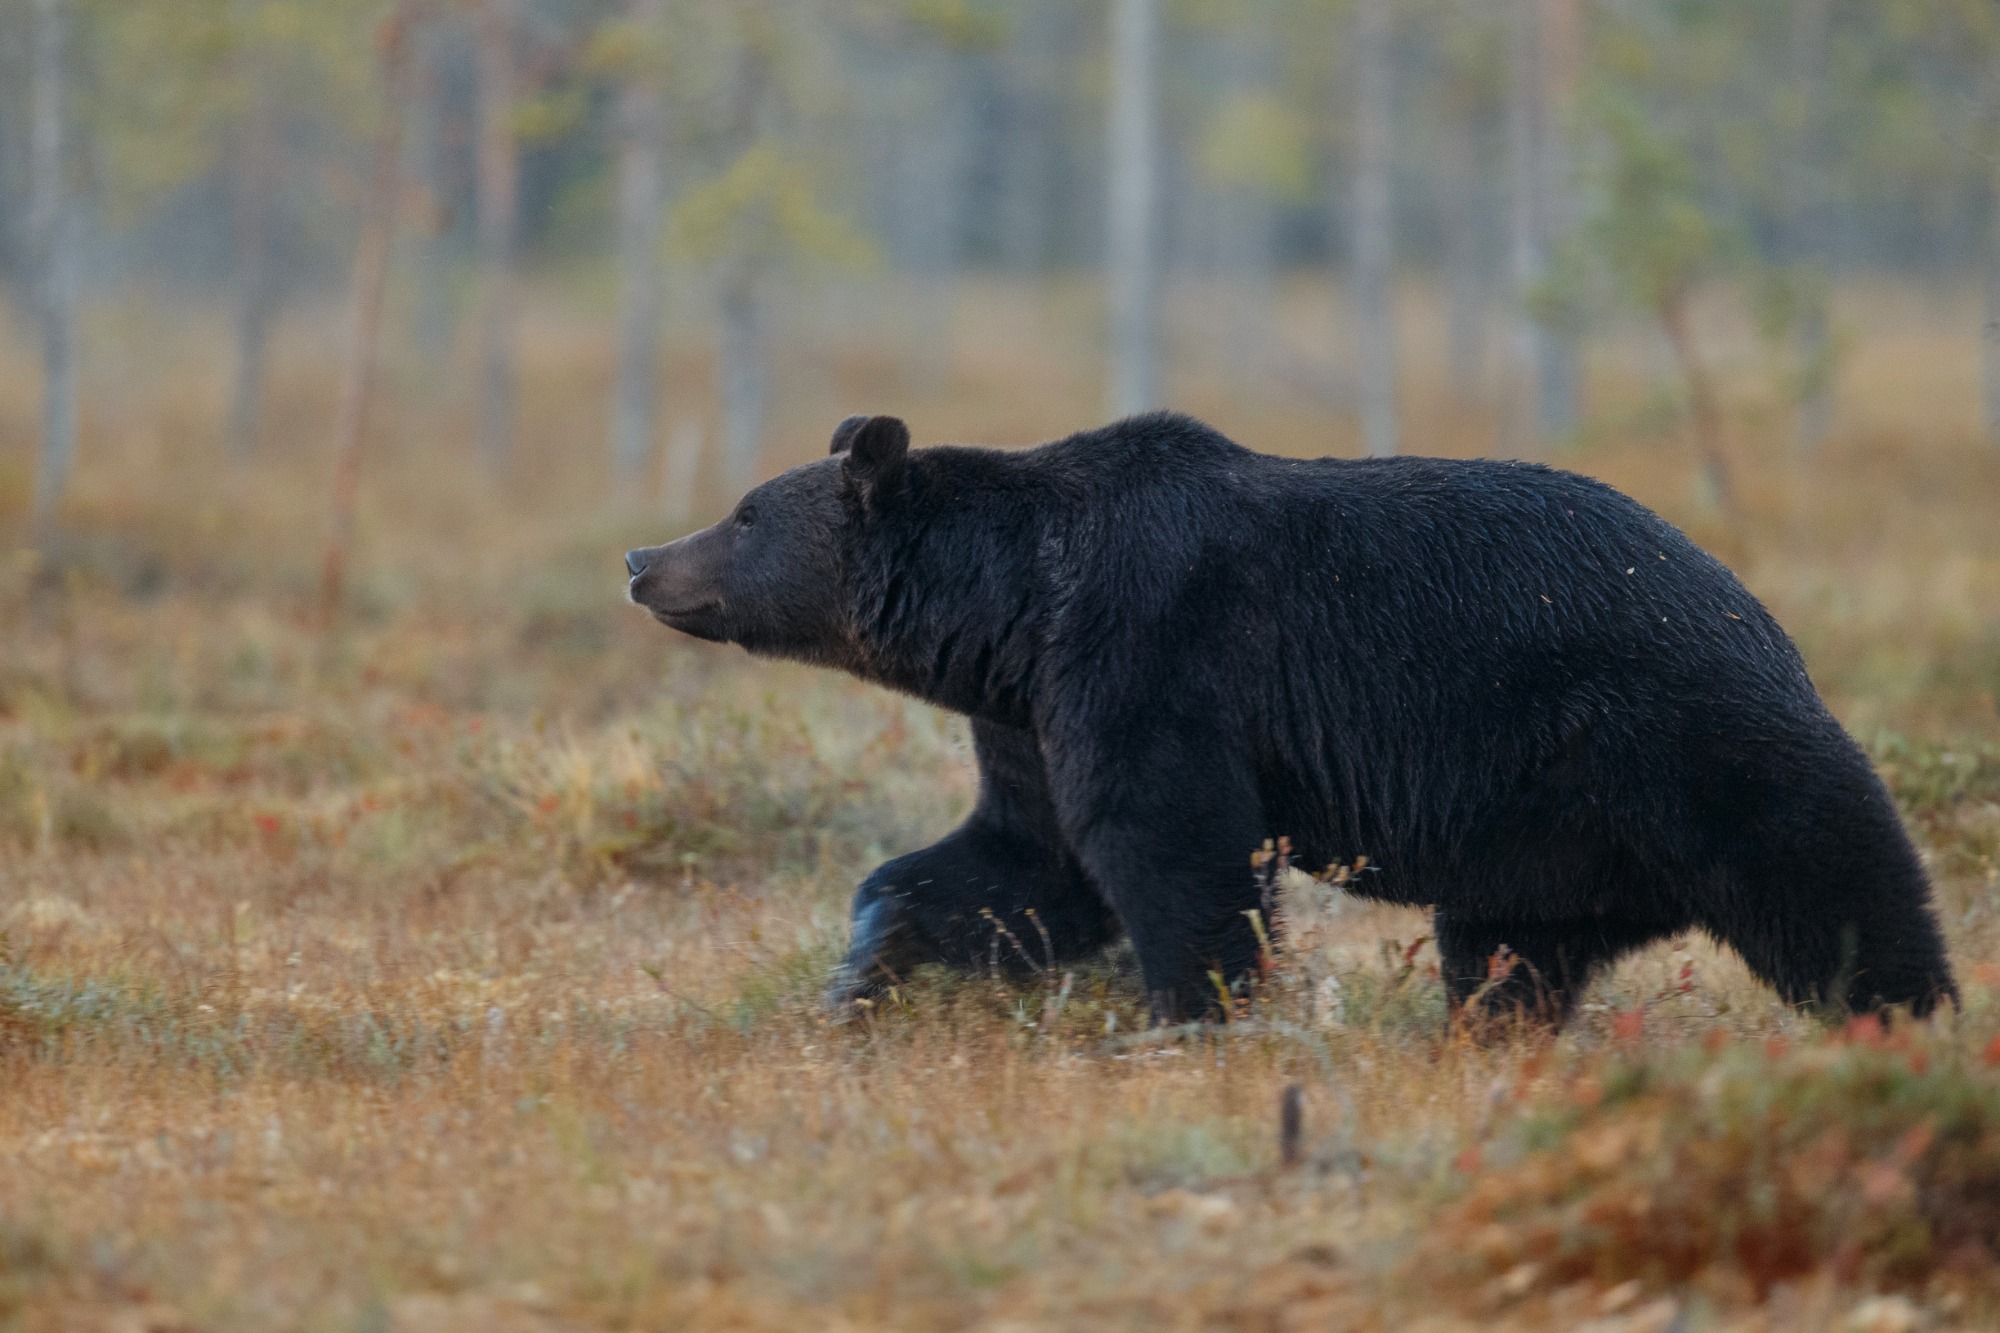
460 971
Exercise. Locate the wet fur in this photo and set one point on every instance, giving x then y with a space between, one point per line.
1530 702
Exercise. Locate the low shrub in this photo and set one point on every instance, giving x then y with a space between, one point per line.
1874 1159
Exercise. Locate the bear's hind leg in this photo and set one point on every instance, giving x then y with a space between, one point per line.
1859 946
1532 970
1821 893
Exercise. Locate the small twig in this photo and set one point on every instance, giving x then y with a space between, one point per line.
660 980
1001 928
1048 945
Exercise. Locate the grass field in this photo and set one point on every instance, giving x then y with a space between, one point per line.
458 969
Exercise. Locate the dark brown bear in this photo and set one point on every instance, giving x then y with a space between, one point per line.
1528 701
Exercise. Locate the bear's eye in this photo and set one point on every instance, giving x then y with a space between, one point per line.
746 516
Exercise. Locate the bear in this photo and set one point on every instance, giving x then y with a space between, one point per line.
1530 703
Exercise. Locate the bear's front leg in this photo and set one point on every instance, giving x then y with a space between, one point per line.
1004 886
1165 826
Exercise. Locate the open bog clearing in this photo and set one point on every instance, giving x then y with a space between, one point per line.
461 970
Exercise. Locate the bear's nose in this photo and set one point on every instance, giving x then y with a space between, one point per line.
635 563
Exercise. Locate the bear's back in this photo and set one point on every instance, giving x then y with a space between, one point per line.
1440 513
1166 450
1473 564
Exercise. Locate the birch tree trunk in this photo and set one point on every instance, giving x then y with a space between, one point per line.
1990 335
371 278
498 208
1525 258
1245 218
55 246
683 465
1990 339
1027 141
1543 56
1374 228
1808 166
635 395
431 163
930 184
744 377
256 297
1559 36
1247 264
1132 239
1465 277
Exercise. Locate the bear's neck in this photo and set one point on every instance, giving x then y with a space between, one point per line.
947 601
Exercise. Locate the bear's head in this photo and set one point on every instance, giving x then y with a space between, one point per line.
773 575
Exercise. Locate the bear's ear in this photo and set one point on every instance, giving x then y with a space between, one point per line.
876 449
844 433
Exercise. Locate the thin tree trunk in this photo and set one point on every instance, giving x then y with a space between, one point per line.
1024 152
1465 278
1810 19
371 276
682 468
635 396
256 191
1245 219
1374 228
1248 266
931 180
432 164
498 207
1704 410
744 376
1132 241
1990 341
1559 37
1526 261
55 245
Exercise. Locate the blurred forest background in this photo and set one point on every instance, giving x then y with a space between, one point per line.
397 931
709 213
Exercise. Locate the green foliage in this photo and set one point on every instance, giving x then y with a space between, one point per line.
159 91
549 115
1931 777
621 48
1650 231
1253 141
965 25
763 209
167 84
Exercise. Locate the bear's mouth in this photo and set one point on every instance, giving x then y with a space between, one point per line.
701 620
701 609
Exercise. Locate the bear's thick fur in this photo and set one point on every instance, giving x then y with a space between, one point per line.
1527 700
